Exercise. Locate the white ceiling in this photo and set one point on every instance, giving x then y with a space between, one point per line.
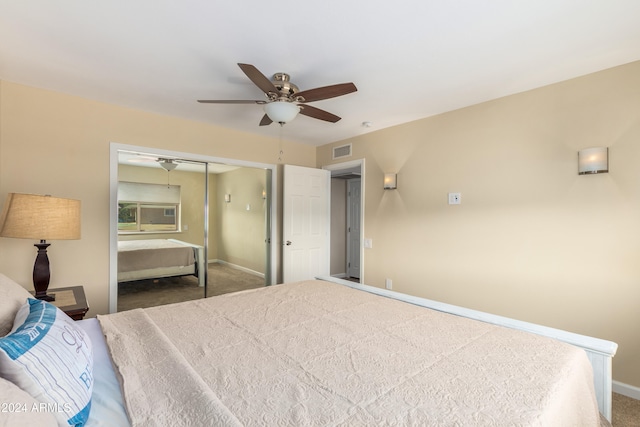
409 58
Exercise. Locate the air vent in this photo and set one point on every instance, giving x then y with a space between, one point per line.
342 151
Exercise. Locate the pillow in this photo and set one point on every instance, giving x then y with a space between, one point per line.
50 358
13 296
19 409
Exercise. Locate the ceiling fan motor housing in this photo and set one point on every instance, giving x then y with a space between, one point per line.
283 84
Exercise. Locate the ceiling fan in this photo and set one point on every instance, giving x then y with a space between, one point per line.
284 99
168 164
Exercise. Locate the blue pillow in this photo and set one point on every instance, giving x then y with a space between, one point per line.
50 358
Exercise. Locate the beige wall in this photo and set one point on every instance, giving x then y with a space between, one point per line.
52 143
532 239
240 233
214 201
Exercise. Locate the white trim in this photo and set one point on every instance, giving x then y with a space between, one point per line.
626 390
113 203
237 267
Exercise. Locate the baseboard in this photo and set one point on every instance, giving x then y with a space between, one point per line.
237 267
626 390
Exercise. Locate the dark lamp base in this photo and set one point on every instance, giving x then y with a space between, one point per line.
41 273
45 297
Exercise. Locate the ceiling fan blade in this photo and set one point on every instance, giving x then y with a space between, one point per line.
317 113
265 121
258 79
230 101
326 92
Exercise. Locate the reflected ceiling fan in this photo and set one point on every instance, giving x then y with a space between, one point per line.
166 163
284 99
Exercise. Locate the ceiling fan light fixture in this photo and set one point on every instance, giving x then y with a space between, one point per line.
281 111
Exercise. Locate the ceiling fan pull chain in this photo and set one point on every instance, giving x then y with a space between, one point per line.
281 151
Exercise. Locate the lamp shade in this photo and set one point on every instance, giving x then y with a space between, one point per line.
593 160
281 111
31 216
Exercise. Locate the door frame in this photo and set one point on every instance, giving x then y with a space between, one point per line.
349 165
350 184
115 147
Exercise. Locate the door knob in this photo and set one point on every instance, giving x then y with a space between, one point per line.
288 243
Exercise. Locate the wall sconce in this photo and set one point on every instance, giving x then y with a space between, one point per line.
227 198
264 194
390 181
593 160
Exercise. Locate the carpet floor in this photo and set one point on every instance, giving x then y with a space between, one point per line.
153 292
625 411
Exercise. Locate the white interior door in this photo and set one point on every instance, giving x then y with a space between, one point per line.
353 228
306 223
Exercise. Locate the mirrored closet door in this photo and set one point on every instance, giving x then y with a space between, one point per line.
189 228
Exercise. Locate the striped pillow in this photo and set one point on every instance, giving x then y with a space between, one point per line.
50 358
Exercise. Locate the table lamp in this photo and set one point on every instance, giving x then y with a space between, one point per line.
31 216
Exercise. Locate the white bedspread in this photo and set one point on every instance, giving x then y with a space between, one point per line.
136 255
317 353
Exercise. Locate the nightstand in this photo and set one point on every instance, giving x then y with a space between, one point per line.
71 300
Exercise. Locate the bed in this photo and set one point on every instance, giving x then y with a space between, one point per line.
157 258
328 352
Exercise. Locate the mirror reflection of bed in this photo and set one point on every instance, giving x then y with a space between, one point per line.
167 251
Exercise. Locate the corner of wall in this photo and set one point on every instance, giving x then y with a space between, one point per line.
1 103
